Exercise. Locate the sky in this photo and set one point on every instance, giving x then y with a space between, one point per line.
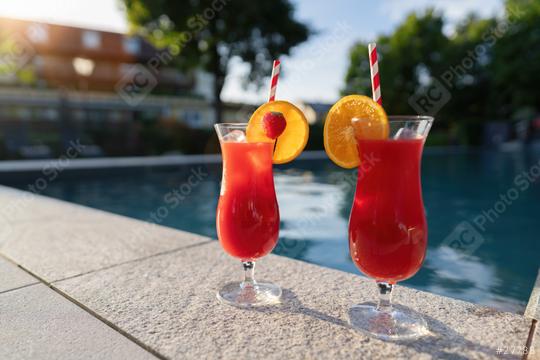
314 71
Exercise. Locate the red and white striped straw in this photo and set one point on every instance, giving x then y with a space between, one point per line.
374 68
273 83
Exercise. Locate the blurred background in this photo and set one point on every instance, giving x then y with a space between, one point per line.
108 78
151 77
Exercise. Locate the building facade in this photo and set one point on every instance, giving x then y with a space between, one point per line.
56 78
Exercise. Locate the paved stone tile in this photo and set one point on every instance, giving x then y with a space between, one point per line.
55 250
37 323
168 302
55 239
533 306
11 277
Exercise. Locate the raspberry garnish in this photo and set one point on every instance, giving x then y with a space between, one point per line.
274 124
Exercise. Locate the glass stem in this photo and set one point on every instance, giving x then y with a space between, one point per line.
249 274
385 296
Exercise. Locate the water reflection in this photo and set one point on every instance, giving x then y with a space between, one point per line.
452 270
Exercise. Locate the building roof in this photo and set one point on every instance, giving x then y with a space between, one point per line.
71 57
48 38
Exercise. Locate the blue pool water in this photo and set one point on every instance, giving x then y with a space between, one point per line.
479 250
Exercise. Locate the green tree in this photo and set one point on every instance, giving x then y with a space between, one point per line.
515 67
419 53
468 79
489 66
411 55
207 34
468 56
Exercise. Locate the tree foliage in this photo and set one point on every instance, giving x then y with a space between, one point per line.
207 34
515 65
489 66
405 57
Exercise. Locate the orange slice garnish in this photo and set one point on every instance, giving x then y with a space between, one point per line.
292 141
370 122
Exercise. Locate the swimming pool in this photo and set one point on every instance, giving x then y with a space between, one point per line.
479 250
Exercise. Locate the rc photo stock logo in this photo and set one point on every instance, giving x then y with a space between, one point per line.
431 96
137 82
465 238
15 52
429 99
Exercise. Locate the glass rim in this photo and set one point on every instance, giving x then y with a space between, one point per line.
410 118
239 125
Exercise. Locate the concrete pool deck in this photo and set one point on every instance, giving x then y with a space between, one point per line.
79 283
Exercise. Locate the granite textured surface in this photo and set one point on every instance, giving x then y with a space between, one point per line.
168 302
59 239
38 323
11 277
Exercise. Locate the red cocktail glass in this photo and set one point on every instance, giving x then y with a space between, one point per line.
387 226
247 218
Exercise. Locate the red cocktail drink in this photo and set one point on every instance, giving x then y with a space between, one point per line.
247 218
387 227
247 214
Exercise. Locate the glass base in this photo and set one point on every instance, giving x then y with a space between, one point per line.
398 324
241 295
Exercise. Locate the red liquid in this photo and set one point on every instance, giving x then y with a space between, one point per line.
247 214
387 227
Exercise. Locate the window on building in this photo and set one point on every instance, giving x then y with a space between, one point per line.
38 33
91 39
132 45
